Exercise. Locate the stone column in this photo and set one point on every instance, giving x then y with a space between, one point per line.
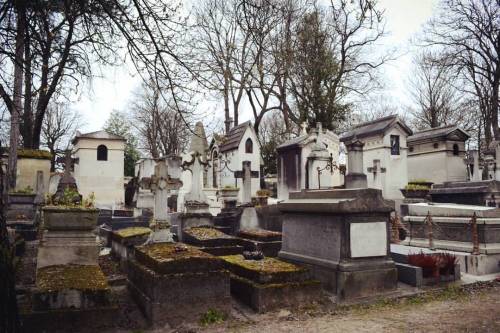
355 177
476 173
497 161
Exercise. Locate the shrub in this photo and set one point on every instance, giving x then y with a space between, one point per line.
427 262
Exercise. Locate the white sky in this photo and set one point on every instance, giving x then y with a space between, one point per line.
404 19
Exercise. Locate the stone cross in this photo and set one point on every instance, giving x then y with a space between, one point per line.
246 174
161 184
304 128
375 170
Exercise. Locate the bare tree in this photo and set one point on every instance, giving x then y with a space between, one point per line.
222 58
469 33
433 88
160 129
59 127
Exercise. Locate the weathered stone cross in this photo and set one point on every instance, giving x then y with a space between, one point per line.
246 174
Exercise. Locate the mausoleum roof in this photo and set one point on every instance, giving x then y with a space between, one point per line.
232 139
374 127
100 135
440 132
304 139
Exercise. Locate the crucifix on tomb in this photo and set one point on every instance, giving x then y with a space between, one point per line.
161 184
246 174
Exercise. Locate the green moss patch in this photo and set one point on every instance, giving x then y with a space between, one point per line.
34 153
62 277
174 258
267 270
133 232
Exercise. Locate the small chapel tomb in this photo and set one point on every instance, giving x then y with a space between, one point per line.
384 153
309 161
438 154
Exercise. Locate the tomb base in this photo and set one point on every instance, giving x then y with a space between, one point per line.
342 236
70 287
268 242
270 284
213 241
174 283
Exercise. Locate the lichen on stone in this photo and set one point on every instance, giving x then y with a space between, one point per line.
133 231
63 277
205 233
171 251
266 265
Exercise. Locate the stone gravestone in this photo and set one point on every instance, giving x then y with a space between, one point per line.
67 181
161 185
355 177
246 174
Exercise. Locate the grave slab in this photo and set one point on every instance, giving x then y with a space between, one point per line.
173 283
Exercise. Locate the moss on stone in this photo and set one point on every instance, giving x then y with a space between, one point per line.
172 251
34 153
260 234
79 277
132 232
204 233
266 265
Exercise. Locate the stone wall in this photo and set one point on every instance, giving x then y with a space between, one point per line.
27 169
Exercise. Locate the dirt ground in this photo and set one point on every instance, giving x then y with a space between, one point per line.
475 309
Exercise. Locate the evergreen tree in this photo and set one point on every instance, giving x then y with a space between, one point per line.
118 124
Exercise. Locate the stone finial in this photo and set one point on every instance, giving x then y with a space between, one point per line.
199 142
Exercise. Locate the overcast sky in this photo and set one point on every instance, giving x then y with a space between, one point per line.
404 19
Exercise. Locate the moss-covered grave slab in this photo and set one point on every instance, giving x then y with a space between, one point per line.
172 258
174 283
269 242
267 270
212 240
70 287
271 283
131 236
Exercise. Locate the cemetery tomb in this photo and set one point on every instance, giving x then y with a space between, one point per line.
266 241
384 153
482 193
235 162
211 240
124 240
270 283
309 161
33 171
99 167
451 227
174 282
444 149
342 236
22 215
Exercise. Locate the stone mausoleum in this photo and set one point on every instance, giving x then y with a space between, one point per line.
438 154
309 161
384 153
99 167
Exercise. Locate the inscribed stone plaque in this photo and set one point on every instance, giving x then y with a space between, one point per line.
368 239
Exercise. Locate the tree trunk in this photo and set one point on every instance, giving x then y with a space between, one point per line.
17 96
9 319
227 116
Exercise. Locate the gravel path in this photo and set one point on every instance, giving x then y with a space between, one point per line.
473 310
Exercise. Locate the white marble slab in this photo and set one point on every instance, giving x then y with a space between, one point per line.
368 239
